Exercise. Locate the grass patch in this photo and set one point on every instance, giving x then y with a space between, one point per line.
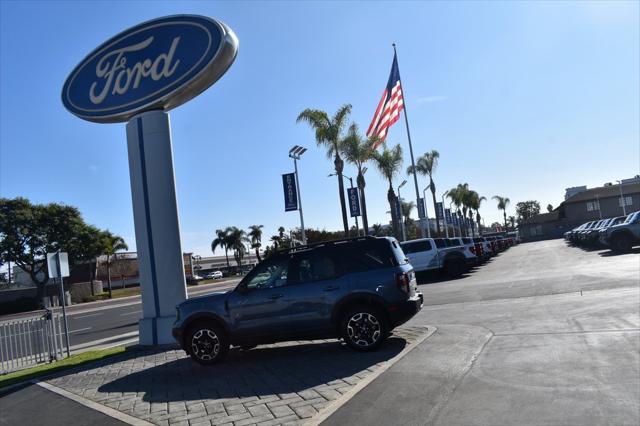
64 364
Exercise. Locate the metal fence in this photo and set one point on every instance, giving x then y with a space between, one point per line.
29 341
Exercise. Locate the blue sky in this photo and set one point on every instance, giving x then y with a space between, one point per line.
521 99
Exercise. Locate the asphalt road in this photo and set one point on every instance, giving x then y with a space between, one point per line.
543 334
99 321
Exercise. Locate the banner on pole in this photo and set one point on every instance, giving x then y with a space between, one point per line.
447 215
354 201
290 192
439 213
421 209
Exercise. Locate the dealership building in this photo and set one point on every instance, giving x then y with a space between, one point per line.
582 205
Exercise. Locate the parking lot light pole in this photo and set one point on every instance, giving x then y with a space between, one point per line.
404 234
426 213
453 226
295 153
624 210
350 183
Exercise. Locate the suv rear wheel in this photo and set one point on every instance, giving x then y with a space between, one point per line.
363 328
455 267
207 343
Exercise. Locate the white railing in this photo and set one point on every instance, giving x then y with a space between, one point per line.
29 341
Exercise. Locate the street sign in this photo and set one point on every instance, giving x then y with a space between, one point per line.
354 201
421 213
290 192
439 213
159 64
447 215
52 266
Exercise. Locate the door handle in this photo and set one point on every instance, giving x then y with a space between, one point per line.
331 288
275 296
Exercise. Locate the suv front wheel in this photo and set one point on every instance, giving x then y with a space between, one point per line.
207 343
364 328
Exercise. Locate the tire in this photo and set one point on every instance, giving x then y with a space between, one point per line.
455 267
207 343
621 243
364 328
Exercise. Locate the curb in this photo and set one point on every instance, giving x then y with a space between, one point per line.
336 404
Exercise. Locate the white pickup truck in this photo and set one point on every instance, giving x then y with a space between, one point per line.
429 254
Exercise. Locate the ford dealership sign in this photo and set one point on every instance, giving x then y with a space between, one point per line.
159 64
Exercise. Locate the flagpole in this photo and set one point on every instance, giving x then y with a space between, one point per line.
413 163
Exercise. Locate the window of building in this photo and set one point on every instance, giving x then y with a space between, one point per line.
628 201
593 206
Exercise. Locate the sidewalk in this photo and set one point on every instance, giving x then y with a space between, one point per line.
285 383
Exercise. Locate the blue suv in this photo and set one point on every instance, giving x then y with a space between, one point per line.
358 289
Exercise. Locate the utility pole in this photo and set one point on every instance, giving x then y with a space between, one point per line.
295 153
624 210
426 213
444 219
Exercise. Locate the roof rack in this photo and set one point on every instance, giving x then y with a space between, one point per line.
327 243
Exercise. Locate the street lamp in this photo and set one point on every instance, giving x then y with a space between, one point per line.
404 235
624 210
351 183
295 153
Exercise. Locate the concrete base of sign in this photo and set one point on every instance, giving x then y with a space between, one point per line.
155 214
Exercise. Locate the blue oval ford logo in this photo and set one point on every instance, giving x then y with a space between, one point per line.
159 64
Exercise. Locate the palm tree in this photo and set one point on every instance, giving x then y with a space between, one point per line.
503 202
456 198
377 229
389 162
426 166
357 151
407 208
236 239
465 197
328 134
255 234
111 245
477 203
512 219
221 241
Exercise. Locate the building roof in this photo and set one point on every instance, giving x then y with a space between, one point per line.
541 218
604 192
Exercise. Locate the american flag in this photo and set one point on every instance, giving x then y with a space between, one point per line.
389 107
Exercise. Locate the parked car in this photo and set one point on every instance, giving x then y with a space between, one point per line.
429 254
623 236
213 275
468 249
358 289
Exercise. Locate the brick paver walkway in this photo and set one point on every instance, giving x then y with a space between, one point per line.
286 383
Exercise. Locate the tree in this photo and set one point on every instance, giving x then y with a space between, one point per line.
111 244
512 220
255 234
503 203
221 241
29 231
377 230
426 166
329 135
235 241
549 208
526 210
461 197
357 151
455 194
474 201
389 162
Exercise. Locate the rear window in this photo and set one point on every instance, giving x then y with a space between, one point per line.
415 246
366 255
633 217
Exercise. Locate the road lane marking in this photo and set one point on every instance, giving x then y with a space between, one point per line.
86 316
131 313
80 329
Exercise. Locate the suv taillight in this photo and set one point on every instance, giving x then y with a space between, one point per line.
402 281
473 249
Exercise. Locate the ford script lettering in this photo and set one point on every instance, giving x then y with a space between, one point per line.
159 64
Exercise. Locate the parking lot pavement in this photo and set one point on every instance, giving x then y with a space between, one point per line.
43 407
544 334
287 383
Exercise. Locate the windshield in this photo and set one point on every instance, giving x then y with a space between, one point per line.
632 218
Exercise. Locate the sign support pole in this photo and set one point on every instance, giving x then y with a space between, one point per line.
304 236
155 214
63 303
